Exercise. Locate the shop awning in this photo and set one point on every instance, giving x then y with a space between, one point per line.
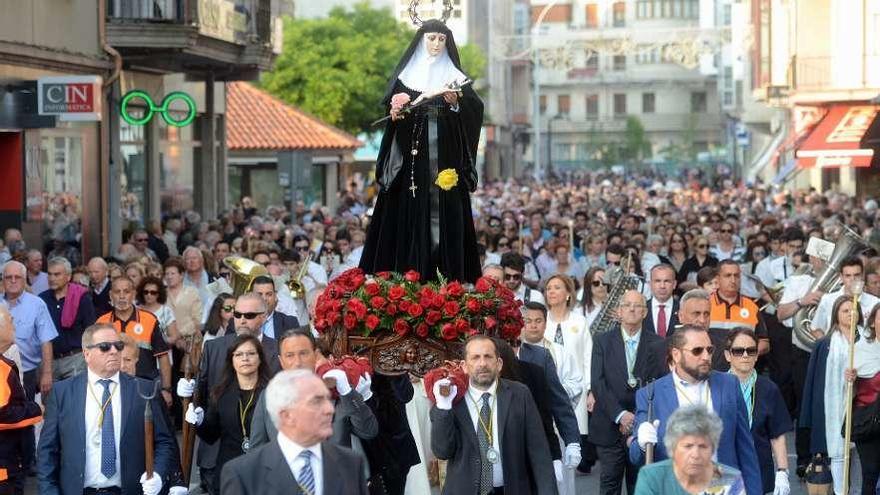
786 173
837 140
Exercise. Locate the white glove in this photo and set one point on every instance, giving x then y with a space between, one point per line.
151 486
364 386
186 388
341 379
572 455
444 403
194 415
782 487
647 433
557 470
178 490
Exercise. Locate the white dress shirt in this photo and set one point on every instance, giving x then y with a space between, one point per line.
655 312
796 287
291 450
92 476
534 295
475 403
692 393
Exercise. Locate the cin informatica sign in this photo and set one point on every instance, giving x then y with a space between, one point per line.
70 97
137 108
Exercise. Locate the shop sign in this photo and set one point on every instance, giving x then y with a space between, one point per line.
219 19
73 98
150 108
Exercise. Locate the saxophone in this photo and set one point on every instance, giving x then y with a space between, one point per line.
620 281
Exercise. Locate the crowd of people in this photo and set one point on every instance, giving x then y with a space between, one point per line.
659 320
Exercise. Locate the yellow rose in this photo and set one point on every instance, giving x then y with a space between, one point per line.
447 179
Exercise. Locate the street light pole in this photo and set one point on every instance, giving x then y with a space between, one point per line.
539 172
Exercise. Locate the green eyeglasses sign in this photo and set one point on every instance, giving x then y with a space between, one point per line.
151 108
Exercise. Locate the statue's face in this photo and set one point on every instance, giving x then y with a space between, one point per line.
435 43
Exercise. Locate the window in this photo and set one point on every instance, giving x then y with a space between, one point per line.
619 10
563 105
592 16
592 107
727 98
647 102
542 104
592 61
728 77
619 104
725 15
620 62
698 102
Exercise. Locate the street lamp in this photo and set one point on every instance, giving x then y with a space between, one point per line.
536 96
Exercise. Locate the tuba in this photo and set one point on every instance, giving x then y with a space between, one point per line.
828 280
244 271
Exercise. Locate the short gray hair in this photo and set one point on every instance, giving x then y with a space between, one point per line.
89 333
61 261
16 264
693 294
253 296
696 421
283 392
492 266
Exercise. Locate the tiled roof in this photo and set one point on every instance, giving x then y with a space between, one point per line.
256 120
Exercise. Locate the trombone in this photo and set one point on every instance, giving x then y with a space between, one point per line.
295 285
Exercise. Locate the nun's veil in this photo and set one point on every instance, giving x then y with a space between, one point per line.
416 67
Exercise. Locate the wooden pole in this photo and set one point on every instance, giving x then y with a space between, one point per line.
189 434
850 385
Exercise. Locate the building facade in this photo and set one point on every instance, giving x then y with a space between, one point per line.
603 65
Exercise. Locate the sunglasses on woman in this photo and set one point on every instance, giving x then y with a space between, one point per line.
740 351
597 283
227 308
151 292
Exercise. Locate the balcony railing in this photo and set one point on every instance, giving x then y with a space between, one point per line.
828 73
147 10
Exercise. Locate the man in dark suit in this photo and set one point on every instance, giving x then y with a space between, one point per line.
693 382
492 438
248 317
561 401
100 281
352 416
662 314
299 460
93 419
623 358
276 322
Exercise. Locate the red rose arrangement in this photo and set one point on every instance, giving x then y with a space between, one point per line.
354 367
403 304
452 370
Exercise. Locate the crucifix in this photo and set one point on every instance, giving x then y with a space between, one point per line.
413 188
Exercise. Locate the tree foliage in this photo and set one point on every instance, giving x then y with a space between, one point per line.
337 68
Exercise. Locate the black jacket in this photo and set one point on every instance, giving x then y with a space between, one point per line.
18 414
393 451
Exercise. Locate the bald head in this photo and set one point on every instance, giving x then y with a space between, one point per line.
632 310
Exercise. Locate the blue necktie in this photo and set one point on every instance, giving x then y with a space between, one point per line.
306 478
108 439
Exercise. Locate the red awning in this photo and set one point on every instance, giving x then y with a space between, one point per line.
835 142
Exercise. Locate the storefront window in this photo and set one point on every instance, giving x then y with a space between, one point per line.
133 145
54 187
179 149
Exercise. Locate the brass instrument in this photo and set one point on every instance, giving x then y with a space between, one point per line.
619 280
828 280
295 285
244 271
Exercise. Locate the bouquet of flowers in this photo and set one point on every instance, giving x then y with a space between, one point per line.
400 303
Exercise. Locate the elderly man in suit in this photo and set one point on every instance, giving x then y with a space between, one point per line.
352 416
248 316
623 359
299 460
93 419
661 316
693 382
493 437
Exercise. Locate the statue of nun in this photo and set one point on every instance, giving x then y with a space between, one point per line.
425 170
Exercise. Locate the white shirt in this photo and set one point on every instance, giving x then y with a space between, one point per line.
692 393
569 374
655 312
796 287
822 318
578 342
764 272
475 403
780 269
534 295
92 476
40 283
291 450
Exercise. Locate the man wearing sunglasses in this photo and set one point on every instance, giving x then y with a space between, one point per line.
94 420
248 317
691 381
514 265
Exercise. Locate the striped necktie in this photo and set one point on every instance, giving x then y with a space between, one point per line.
306 478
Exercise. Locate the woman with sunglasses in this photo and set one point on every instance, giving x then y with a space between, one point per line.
677 251
592 294
687 275
768 415
568 328
727 246
867 389
231 403
151 295
822 407
219 316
